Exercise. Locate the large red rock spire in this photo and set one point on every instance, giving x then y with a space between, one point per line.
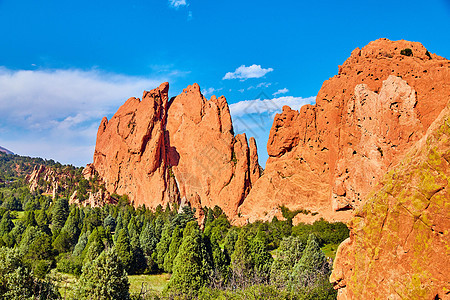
159 151
328 156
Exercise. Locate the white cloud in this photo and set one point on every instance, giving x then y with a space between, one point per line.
210 91
243 72
177 3
255 118
55 113
282 91
269 106
261 85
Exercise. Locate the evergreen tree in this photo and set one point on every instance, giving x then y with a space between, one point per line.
104 278
175 243
59 215
308 270
163 246
188 274
148 239
289 253
109 223
221 264
133 232
6 224
43 221
262 260
81 244
30 219
63 242
241 260
124 250
72 225
18 282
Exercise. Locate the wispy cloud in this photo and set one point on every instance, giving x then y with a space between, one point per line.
282 91
244 73
260 106
261 85
255 117
58 111
177 3
210 91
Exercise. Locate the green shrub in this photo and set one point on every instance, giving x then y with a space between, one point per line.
406 52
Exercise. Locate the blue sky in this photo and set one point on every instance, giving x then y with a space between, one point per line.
65 64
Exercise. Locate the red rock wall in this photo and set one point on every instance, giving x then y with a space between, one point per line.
399 239
328 156
159 151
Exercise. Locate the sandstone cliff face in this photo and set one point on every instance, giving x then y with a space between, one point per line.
328 156
184 150
399 240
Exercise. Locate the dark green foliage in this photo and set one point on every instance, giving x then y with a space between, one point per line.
124 250
406 52
63 242
217 229
262 260
224 261
69 264
188 273
325 232
148 239
109 223
104 278
6 224
60 213
289 253
30 219
175 243
18 282
242 261
163 246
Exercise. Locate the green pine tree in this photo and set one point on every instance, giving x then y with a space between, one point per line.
104 278
60 213
188 274
124 250
175 243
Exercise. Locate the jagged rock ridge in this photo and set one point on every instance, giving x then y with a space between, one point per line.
327 157
183 150
399 240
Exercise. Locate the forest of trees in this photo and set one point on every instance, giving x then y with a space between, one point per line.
101 246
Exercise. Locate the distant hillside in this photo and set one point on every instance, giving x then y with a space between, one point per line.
4 150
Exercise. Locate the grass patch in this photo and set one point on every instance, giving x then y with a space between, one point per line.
148 282
330 250
66 284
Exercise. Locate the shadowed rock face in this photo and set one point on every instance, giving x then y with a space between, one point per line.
399 240
159 151
328 156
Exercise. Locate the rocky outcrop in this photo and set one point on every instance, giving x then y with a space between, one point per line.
399 240
327 157
45 179
159 151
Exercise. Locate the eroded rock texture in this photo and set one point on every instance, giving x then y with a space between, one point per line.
328 156
399 239
184 150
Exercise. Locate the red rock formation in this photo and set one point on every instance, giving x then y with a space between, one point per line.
328 156
159 151
399 239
